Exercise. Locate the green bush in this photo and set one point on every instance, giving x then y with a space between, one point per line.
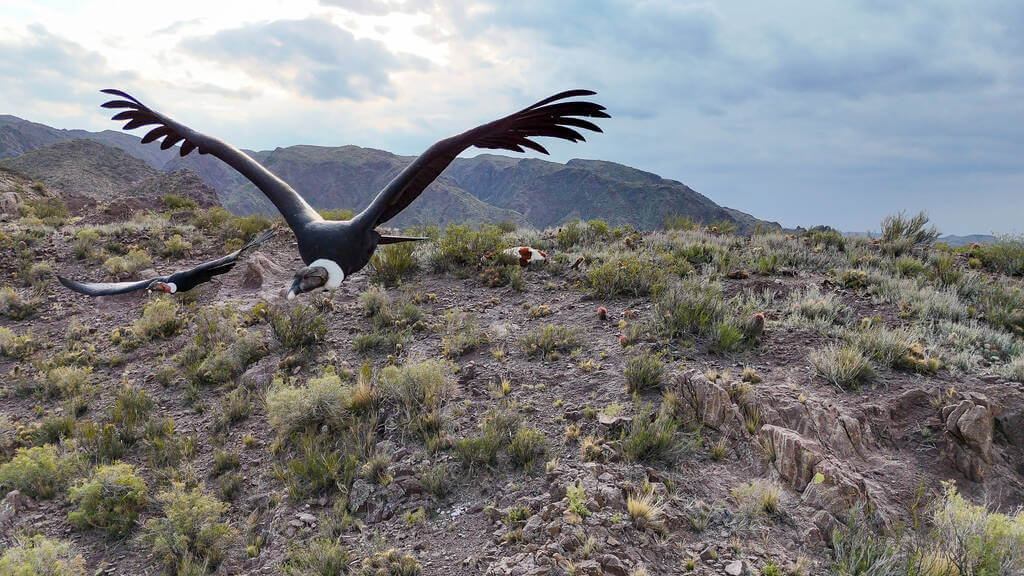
160 320
681 222
845 366
496 431
390 562
298 326
461 247
110 500
393 263
190 531
649 437
461 334
39 472
323 401
419 393
40 556
175 247
178 202
624 275
550 339
86 244
337 214
901 233
1005 256
643 372
527 447
318 557
690 308
15 307
17 347
977 541
224 363
65 381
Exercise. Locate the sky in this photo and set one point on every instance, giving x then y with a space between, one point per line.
825 112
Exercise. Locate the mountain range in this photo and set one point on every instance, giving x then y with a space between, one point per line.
485 188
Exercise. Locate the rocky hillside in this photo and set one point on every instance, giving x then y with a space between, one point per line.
642 403
487 188
85 172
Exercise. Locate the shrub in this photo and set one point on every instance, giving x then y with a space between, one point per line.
390 562
323 401
337 214
757 498
649 438
65 381
52 211
818 308
109 500
623 275
527 447
298 326
550 339
14 306
643 372
419 393
17 347
160 320
844 366
644 510
189 531
461 334
175 247
318 557
224 363
392 263
1005 256
316 467
461 247
496 431
977 541
40 556
102 442
178 202
690 308
901 233
822 237
681 222
39 471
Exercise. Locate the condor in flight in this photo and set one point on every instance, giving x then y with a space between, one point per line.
182 281
334 250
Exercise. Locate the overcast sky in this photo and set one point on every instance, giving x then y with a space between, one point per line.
807 113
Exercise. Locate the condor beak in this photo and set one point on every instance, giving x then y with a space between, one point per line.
296 287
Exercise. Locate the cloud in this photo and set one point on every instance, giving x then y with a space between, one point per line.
378 7
312 57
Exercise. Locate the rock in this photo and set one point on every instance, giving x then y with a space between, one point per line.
734 568
359 495
307 518
795 456
1011 425
613 566
708 401
969 426
258 268
613 424
533 530
10 507
9 202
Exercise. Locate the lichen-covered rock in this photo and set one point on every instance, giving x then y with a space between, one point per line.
795 457
969 426
709 402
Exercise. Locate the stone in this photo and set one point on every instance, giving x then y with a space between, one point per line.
708 401
359 495
613 566
9 202
970 426
307 518
533 530
795 456
734 568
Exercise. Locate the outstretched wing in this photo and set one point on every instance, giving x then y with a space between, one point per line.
296 211
254 242
105 288
552 117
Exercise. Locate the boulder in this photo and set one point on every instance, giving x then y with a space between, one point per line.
969 427
258 268
9 202
709 402
795 456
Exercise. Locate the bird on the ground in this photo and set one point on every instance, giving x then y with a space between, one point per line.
181 281
335 249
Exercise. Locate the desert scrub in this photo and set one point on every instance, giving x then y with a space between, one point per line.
418 392
224 363
551 339
189 534
461 334
901 233
17 347
175 247
109 500
460 247
527 447
13 306
624 275
393 263
298 326
883 345
690 308
643 372
497 429
178 202
160 320
815 309
123 267
975 540
319 556
390 562
39 472
65 381
845 366
1005 256
41 556
757 498
322 402
650 437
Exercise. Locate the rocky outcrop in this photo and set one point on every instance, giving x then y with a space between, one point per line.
969 425
794 456
708 402
9 202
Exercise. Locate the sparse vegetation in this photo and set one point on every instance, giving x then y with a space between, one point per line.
41 556
189 536
109 500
